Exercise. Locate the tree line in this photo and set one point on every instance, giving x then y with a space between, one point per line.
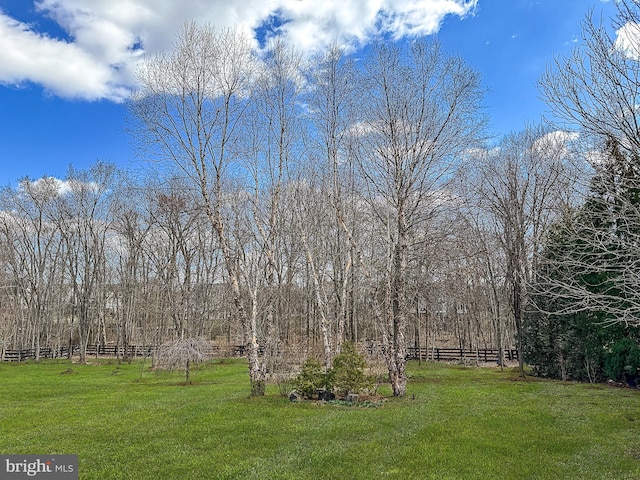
293 202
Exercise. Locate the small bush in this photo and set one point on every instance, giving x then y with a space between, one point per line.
347 375
312 378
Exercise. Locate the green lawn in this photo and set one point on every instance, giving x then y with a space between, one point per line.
127 422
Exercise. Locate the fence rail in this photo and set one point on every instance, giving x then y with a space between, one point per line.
452 354
434 354
63 351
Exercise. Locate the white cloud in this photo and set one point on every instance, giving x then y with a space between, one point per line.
554 144
50 187
64 68
107 37
628 40
414 18
47 186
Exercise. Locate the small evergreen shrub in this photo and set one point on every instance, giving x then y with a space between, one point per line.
312 378
347 375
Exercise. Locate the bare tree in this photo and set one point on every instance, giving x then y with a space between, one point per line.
523 185
311 213
596 91
488 256
322 200
419 114
592 260
226 125
274 136
33 255
182 353
132 225
189 107
83 218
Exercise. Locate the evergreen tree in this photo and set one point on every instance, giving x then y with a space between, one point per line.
586 290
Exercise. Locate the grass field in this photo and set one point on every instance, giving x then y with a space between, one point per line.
128 422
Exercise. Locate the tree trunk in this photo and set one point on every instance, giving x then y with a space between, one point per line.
517 313
398 353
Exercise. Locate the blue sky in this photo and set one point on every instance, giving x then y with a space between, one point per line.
66 65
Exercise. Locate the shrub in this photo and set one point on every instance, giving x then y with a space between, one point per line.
347 375
623 360
312 378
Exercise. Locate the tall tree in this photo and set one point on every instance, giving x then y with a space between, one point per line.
419 113
274 143
522 185
596 91
586 289
33 255
189 110
227 122
327 182
84 217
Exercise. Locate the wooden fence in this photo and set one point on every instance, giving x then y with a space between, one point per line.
453 354
132 351
63 352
